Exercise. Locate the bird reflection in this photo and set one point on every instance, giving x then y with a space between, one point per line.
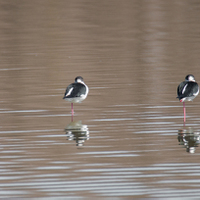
78 132
188 138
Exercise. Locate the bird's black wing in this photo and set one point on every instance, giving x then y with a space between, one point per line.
187 89
180 89
75 90
191 89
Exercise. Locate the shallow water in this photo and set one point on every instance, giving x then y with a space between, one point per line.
127 139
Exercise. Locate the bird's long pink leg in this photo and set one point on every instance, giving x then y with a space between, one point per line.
72 111
184 111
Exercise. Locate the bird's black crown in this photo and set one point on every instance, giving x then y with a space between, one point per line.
189 77
80 78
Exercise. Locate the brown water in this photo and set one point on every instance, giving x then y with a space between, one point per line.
127 139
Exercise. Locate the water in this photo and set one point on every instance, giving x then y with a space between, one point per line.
127 139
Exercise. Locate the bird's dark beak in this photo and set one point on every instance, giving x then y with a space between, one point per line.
64 97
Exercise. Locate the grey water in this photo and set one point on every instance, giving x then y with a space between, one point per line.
127 139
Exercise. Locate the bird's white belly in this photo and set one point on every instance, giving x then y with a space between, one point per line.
76 99
188 98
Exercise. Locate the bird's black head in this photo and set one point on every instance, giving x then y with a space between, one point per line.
190 77
79 79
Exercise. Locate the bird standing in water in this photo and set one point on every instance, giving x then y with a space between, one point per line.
76 92
187 91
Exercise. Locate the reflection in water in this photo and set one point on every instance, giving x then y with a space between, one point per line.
78 132
189 138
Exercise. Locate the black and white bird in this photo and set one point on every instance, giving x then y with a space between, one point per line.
187 91
76 92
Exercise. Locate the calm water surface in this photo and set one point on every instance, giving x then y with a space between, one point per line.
127 138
